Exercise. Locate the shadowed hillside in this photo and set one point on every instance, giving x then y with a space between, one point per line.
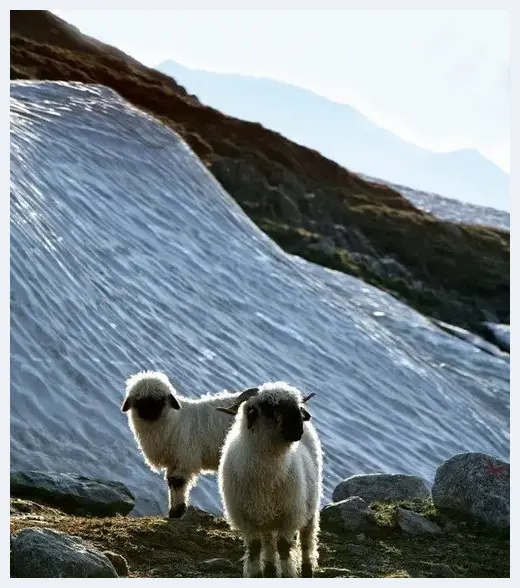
342 133
308 204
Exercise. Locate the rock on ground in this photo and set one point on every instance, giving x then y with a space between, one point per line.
415 524
119 563
73 494
442 571
372 487
474 484
355 549
217 564
350 515
45 553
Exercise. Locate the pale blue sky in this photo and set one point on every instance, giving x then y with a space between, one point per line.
439 79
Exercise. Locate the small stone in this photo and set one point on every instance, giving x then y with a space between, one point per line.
355 549
414 524
119 563
350 515
217 564
442 571
450 527
195 514
361 537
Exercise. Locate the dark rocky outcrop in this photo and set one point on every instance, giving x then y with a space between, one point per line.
73 494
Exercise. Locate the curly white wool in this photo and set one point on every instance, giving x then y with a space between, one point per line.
180 435
271 482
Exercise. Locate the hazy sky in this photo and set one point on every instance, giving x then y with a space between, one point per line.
439 79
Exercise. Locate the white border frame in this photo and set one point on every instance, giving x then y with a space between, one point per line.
266 4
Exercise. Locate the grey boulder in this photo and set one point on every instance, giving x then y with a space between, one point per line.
73 494
384 487
45 553
475 485
350 515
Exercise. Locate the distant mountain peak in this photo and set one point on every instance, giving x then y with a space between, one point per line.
343 134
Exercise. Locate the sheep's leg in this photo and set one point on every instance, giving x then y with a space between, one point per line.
309 544
179 484
287 552
252 567
269 556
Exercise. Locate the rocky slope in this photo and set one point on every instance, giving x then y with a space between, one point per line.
308 204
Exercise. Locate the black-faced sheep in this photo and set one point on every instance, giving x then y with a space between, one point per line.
181 435
270 481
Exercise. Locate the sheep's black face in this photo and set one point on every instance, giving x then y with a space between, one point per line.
289 416
292 423
149 408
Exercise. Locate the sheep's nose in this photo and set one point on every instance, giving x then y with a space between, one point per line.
293 433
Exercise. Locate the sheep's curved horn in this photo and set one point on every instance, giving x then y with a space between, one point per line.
245 395
308 397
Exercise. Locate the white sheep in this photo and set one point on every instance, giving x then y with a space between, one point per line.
181 435
270 481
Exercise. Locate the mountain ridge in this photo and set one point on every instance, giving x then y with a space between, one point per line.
286 108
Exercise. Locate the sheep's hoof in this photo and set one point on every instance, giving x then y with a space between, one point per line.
176 512
270 570
307 570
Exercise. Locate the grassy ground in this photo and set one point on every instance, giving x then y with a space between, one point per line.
158 547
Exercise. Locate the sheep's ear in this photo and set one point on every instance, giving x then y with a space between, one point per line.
305 414
174 403
232 411
126 405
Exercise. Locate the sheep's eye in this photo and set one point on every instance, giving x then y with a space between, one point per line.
252 414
